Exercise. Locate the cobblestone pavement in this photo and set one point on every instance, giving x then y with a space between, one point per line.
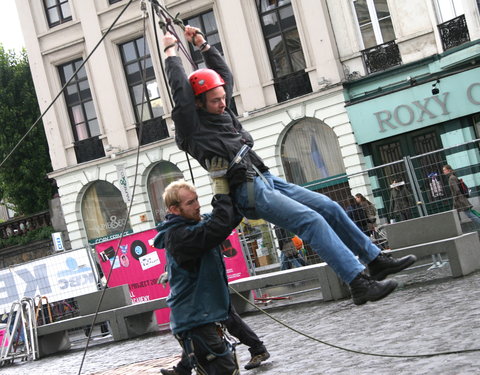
429 313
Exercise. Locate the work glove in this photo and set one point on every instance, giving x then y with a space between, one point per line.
163 279
217 168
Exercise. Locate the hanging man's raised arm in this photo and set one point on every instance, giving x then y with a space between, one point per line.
183 97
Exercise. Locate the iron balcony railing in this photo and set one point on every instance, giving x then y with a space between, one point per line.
89 149
381 57
153 130
454 32
292 86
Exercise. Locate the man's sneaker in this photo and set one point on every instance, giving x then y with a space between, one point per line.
363 289
384 265
172 371
256 360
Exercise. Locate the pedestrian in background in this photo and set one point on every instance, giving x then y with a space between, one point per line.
400 201
289 257
357 214
460 201
370 211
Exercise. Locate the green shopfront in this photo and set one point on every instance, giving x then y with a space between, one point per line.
422 108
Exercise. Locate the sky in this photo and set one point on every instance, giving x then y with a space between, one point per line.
10 32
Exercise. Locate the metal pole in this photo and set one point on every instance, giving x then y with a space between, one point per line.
417 192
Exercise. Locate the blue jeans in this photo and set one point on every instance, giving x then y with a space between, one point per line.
287 263
315 218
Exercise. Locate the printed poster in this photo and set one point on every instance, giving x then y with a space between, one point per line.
139 265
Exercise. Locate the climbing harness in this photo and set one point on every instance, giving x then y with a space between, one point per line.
187 339
250 179
240 155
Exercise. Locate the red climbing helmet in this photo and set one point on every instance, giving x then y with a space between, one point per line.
203 80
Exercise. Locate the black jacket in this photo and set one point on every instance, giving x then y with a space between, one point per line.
357 214
187 241
202 134
198 281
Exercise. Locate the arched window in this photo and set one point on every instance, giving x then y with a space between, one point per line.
310 151
161 175
104 211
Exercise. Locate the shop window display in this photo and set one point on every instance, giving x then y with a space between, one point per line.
104 212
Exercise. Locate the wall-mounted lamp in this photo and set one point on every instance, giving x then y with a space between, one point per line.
412 81
435 89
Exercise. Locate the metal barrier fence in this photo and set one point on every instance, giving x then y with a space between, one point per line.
405 189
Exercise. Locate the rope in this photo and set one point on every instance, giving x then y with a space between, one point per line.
157 43
167 26
165 23
385 355
140 132
65 85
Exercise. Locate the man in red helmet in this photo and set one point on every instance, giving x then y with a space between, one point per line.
205 127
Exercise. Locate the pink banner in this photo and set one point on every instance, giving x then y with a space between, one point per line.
3 332
233 256
139 265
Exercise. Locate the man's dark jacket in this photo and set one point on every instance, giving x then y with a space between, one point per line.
198 282
202 134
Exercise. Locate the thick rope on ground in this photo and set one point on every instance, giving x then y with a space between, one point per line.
385 355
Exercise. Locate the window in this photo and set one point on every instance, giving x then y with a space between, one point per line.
448 9
114 1
310 151
205 22
58 12
284 49
79 101
136 62
161 175
104 211
374 21
452 27
145 96
281 36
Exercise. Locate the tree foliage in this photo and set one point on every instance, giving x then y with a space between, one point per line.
23 177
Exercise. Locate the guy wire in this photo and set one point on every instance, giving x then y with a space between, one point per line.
65 85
